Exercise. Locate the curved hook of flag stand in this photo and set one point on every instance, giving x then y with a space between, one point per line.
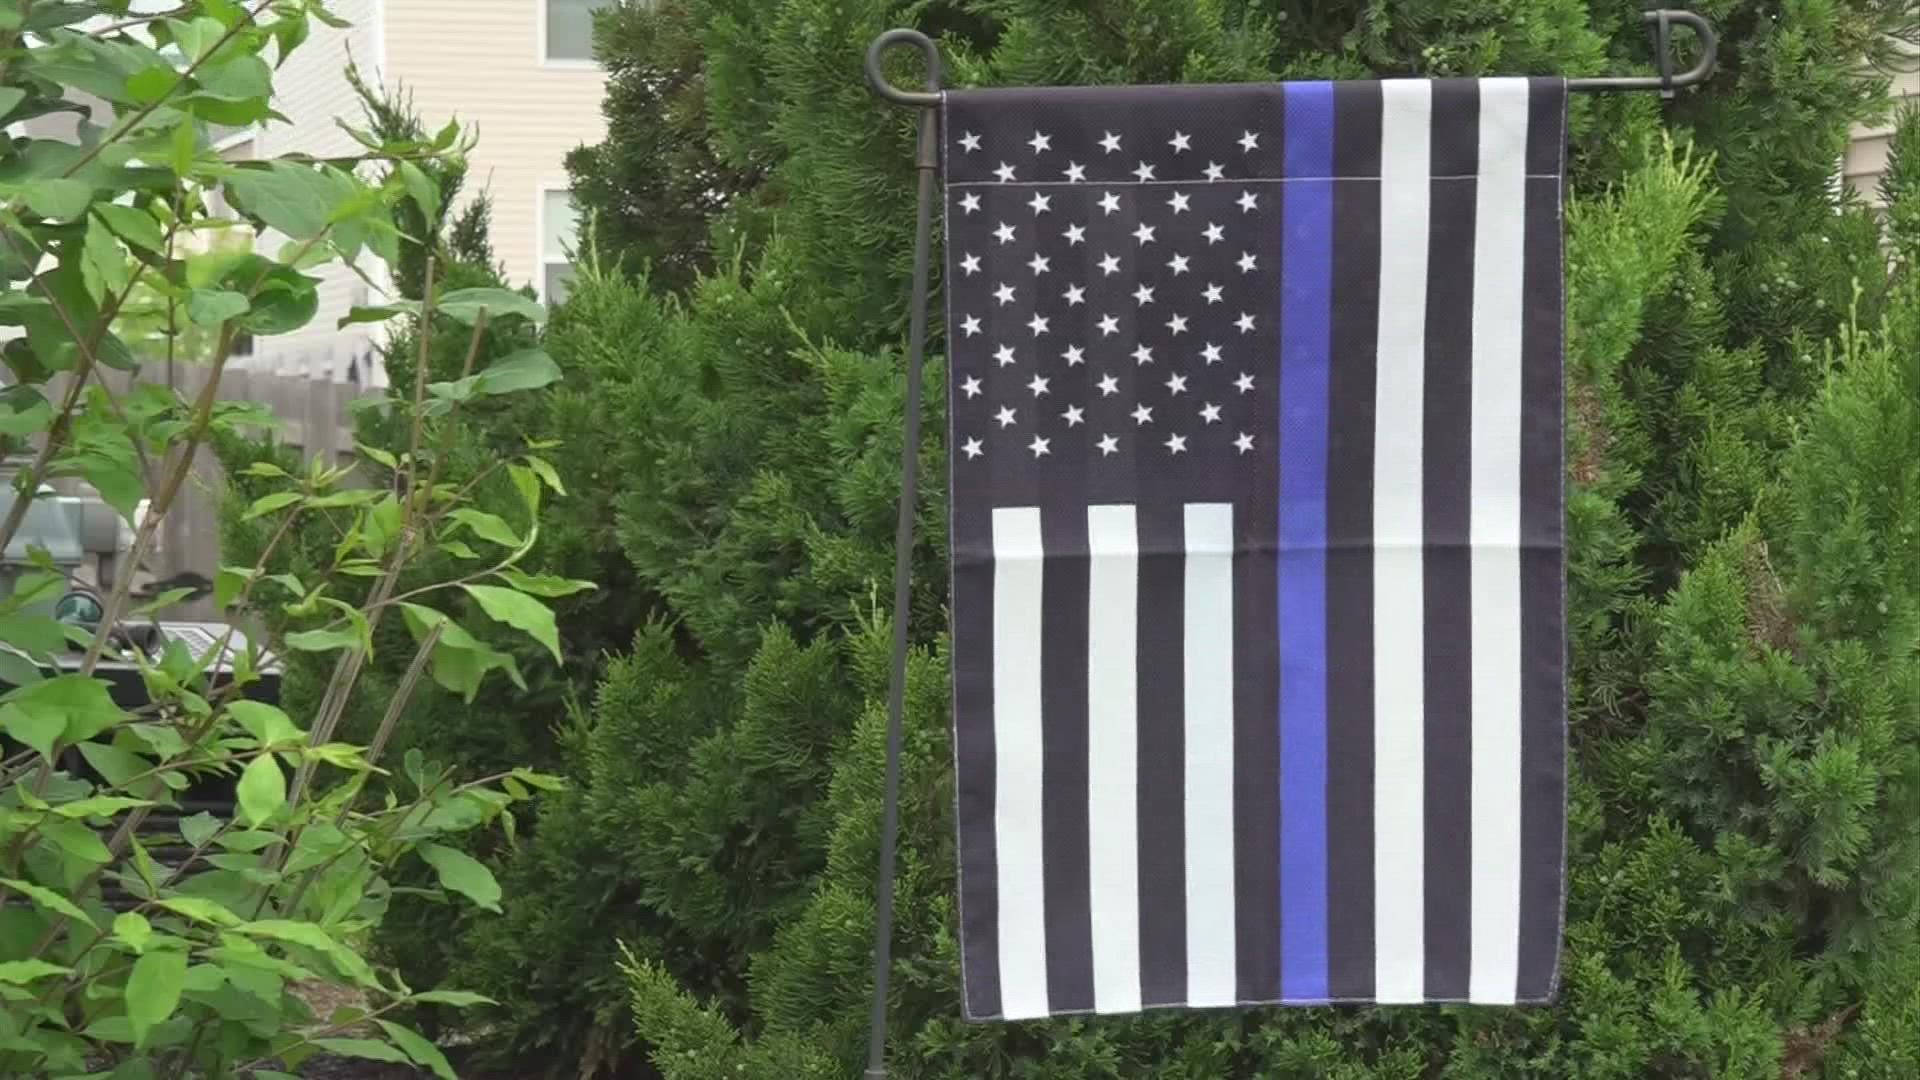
926 161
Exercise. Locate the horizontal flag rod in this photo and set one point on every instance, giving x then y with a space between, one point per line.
1662 22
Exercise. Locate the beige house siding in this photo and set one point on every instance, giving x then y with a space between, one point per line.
1866 157
480 61
311 90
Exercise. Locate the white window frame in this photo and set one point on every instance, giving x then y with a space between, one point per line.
540 56
547 186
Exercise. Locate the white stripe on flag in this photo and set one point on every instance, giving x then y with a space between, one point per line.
1018 761
1212 977
1113 742
1399 650
1499 250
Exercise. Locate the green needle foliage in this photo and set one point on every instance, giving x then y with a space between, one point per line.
1744 346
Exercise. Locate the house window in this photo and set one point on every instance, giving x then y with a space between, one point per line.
567 30
559 234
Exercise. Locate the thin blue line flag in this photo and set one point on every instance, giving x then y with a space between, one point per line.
1256 443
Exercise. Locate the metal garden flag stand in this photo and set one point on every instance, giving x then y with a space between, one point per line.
1257 535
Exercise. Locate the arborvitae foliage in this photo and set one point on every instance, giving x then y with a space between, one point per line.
1743 414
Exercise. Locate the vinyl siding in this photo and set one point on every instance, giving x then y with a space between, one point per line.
311 89
1866 157
480 62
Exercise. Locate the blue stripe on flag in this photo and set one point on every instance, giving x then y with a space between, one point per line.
1305 329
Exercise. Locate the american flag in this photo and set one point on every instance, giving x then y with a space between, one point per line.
1256 442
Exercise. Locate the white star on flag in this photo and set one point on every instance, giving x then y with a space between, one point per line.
1176 443
1210 413
1074 356
1177 264
1143 295
1040 264
1245 323
970 265
970 325
1075 234
1179 202
1039 446
1248 201
1215 234
1176 384
1215 172
970 202
1143 354
1110 264
1004 355
1076 172
1004 294
1177 325
1005 417
1144 234
1005 233
1038 324
1213 294
1038 385
1244 442
1110 203
1143 172
1005 173
1073 415
1244 383
1247 262
972 448
1110 143
1040 141
1249 142
1108 445
1109 326
1109 386
1040 203
1180 141
1074 296
971 387
1142 415
970 142
1211 354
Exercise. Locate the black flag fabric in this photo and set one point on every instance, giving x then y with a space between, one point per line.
1257 534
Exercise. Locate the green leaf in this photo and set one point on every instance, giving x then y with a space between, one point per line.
99 806
150 85
17 670
424 192
364 1048
264 469
184 146
48 899
262 789
313 937
545 584
199 829
153 990
33 633
200 910
546 473
294 199
82 703
267 504
10 97
519 611
40 729
488 527
137 227
378 455
459 999
104 263
265 722
22 972
132 928
211 307
463 874
59 199
464 306
117 765
528 369
323 640
423 1053
24 411
77 840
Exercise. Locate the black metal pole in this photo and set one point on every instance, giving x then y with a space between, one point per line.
926 161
